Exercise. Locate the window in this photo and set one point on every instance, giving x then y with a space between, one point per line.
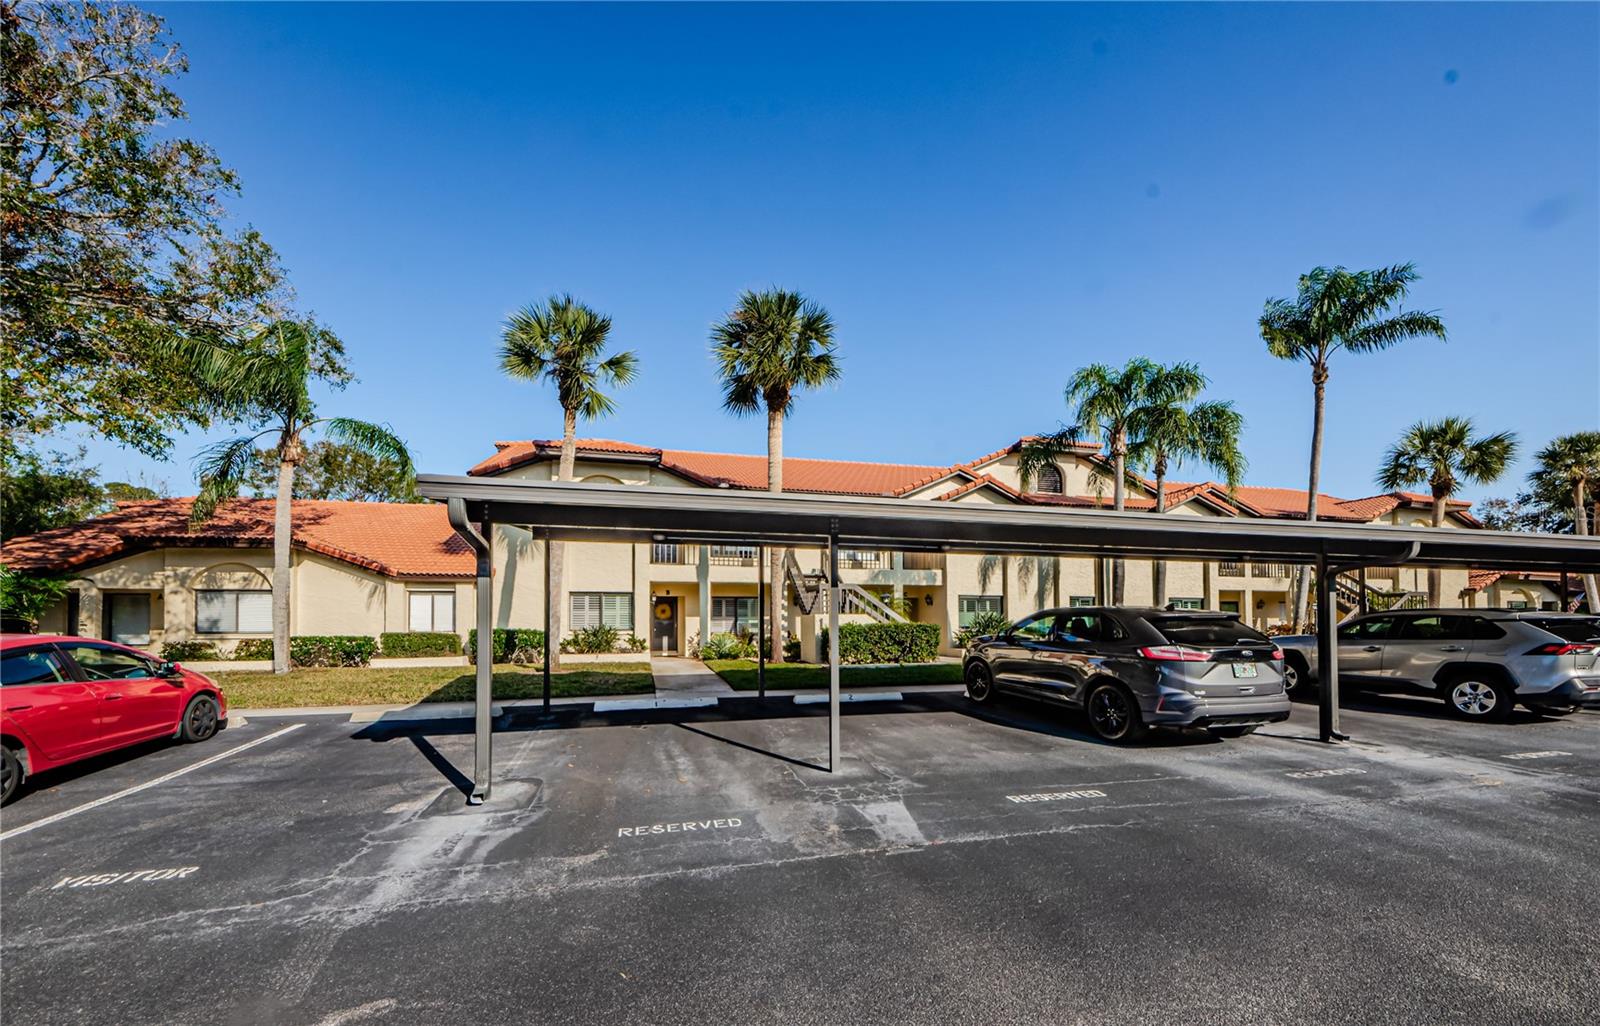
1207 630
1087 628
1374 629
969 607
233 612
597 608
1435 628
1517 604
1186 603
1034 628
1050 479
1082 600
1229 605
733 615
1579 629
99 663
431 611
31 666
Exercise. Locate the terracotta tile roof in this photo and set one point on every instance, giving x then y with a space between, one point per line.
1136 503
394 539
832 477
982 481
1477 580
515 454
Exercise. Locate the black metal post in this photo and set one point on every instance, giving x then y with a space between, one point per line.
1565 601
548 599
1361 578
1327 655
761 621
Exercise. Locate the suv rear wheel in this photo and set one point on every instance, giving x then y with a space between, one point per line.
1477 696
1297 676
1113 714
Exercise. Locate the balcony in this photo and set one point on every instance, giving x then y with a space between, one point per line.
856 566
1262 571
670 554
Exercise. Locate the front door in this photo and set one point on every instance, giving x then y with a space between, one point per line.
128 619
664 625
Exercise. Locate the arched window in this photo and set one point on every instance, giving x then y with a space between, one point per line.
1050 479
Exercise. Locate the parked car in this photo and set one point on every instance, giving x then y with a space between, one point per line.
1480 662
1130 669
65 699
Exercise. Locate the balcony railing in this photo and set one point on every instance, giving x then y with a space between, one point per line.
674 554
1226 568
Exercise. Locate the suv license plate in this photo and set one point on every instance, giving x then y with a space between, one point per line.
1244 670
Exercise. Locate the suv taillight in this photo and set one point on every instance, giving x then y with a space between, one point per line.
1277 655
1175 653
1560 648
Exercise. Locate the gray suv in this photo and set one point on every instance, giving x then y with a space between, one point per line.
1481 662
1130 669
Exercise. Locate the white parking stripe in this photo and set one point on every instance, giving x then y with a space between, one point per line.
86 806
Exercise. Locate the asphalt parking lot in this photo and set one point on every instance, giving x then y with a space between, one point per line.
959 869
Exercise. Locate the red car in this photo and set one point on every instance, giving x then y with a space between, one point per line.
65 699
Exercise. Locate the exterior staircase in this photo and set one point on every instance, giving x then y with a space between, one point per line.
1347 594
809 593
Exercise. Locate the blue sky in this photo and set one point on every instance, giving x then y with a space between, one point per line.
985 197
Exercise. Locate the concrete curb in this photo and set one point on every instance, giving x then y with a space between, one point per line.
600 704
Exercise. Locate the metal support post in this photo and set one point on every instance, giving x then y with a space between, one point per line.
834 596
548 600
482 546
1327 654
761 621
1361 606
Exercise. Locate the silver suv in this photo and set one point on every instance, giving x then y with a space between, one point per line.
1481 662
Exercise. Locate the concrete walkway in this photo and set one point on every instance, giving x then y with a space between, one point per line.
677 677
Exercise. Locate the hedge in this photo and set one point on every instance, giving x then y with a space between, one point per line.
188 651
314 649
892 642
509 641
400 644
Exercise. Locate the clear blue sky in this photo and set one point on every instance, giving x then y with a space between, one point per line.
985 197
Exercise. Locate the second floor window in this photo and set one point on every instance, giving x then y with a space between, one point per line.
1049 479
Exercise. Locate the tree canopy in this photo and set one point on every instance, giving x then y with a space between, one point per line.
114 253
333 470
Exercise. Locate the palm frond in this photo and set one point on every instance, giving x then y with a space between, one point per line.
222 468
377 439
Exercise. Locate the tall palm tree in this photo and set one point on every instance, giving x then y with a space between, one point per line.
1444 455
267 383
1571 464
1171 427
1338 309
1103 402
770 346
563 342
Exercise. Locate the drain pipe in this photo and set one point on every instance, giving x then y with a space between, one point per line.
483 697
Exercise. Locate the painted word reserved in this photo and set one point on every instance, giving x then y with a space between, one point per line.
1343 771
137 876
1054 796
1537 755
680 828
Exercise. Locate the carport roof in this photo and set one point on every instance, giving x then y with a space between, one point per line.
609 512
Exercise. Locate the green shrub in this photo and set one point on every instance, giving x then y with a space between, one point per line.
893 642
592 640
188 651
983 624
253 648
510 644
402 644
332 650
634 643
727 646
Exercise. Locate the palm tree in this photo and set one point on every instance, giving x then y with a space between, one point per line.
770 346
1445 456
267 383
1171 428
564 342
1570 465
1103 402
1339 309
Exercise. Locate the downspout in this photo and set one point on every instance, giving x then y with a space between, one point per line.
482 754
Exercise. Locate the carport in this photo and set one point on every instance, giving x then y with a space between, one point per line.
608 513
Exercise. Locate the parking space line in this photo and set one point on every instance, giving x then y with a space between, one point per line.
86 806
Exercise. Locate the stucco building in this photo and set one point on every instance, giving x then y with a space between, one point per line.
141 575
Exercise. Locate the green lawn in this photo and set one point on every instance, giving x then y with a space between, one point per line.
252 689
741 674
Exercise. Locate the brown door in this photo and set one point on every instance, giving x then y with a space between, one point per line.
664 625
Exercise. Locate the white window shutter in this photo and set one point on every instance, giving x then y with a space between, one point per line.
444 611
212 612
421 615
254 612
